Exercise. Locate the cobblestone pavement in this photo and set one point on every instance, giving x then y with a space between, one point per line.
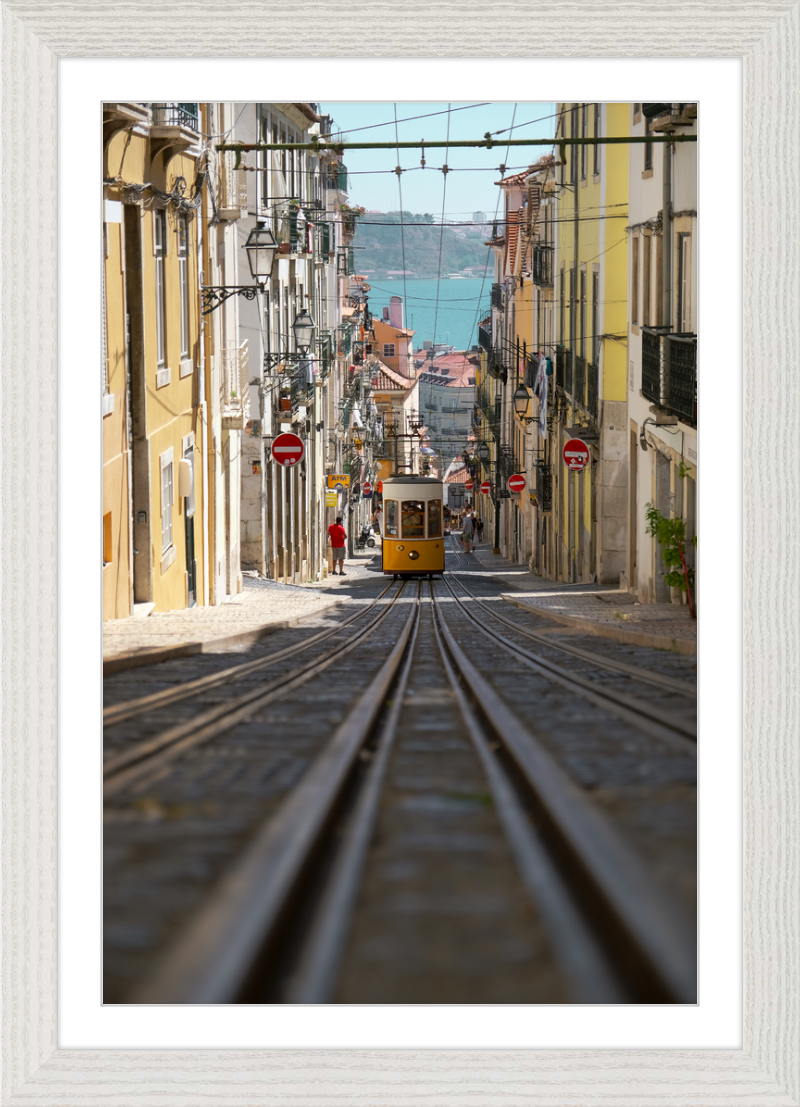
599 609
262 606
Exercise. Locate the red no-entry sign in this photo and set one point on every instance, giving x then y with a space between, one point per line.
287 449
576 455
486 487
469 485
366 488
516 483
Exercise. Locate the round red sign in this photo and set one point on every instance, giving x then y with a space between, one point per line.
576 455
469 485
486 487
366 488
516 483
287 449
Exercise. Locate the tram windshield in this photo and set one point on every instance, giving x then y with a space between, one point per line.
390 521
413 519
434 518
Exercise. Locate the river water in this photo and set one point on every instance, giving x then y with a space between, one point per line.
461 304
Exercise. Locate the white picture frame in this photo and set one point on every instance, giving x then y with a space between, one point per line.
765 1072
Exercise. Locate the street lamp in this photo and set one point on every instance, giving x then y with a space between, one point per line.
521 401
483 451
303 329
261 248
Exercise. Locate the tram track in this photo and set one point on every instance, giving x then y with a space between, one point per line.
615 933
669 684
141 759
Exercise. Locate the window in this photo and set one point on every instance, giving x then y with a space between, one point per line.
647 247
183 266
573 150
648 148
390 511
160 249
595 346
107 544
434 518
635 280
388 349
572 313
167 499
583 314
596 167
657 314
684 283
584 134
413 515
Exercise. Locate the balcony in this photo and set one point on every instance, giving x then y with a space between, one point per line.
544 485
579 388
497 296
561 365
592 388
235 386
669 371
543 266
176 125
336 179
484 337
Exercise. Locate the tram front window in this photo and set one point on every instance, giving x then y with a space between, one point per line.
390 524
413 519
434 518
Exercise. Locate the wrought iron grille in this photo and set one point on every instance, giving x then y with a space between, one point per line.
543 266
653 363
484 338
591 401
177 115
681 376
580 380
561 364
497 295
544 485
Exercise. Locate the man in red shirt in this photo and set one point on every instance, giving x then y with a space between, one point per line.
338 538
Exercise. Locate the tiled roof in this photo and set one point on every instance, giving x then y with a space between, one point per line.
516 179
458 476
385 379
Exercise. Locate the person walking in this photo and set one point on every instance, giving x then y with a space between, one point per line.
466 533
377 519
479 525
338 537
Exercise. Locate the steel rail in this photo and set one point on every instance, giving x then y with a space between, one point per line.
658 941
140 760
315 979
574 941
653 721
667 683
212 961
119 712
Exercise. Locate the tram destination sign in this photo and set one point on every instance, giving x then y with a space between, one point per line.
288 449
576 455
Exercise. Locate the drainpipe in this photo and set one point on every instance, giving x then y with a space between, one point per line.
205 392
666 236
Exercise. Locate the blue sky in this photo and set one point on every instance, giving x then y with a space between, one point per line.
467 191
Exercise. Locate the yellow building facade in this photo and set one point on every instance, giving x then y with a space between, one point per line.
153 438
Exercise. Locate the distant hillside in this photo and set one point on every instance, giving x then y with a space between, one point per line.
380 247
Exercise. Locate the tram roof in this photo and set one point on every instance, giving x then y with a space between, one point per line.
410 478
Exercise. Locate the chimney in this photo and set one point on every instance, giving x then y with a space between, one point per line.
396 312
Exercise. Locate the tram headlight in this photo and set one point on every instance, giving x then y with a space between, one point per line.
400 548
413 554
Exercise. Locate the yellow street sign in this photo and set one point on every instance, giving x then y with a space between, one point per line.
330 499
338 478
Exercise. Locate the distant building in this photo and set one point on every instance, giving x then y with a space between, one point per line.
479 217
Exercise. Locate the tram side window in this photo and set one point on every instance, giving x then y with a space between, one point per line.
413 519
434 518
390 512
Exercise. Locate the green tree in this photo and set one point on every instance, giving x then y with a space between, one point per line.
671 537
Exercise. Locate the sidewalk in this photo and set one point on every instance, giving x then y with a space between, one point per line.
595 608
264 606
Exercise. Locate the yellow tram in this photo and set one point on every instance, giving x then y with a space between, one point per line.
413 526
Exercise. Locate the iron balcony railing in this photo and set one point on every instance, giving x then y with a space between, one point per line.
669 371
497 296
650 111
579 387
177 115
592 388
544 485
484 338
561 365
543 266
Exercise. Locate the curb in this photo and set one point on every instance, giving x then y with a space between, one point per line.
121 661
684 646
